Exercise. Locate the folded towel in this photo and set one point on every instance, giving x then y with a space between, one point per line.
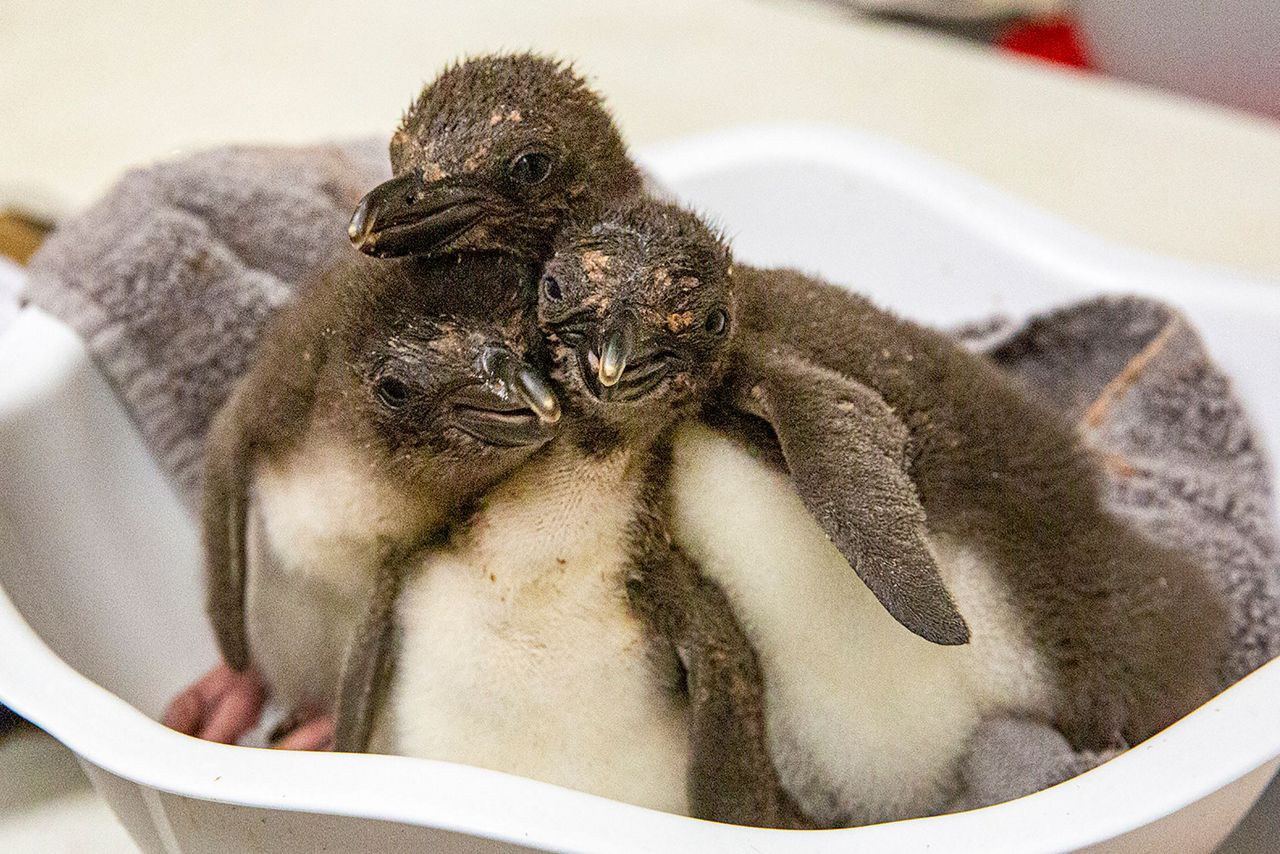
171 275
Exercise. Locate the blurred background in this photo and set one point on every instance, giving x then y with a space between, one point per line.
1154 123
1160 130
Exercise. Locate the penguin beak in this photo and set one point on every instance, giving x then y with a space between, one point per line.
528 385
408 216
515 407
615 349
619 356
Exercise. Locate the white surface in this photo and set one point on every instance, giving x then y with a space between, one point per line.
97 86
98 558
51 808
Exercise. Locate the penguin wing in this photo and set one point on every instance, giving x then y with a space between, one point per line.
368 668
846 453
732 777
266 408
224 512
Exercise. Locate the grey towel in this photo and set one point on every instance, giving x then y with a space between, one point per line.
170 277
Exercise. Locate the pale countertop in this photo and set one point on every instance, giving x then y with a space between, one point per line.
92 88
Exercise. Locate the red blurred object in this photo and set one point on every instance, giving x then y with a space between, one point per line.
1056 40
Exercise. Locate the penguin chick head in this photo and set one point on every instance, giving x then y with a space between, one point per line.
497 153
448 404
638 312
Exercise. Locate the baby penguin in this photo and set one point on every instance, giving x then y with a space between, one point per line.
860 721
381 402
558 633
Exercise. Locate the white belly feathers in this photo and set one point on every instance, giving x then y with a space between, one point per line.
520 652
316 522
866 720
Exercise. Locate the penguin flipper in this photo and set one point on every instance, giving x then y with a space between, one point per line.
369 665
267 409
224 513
845 450
732 777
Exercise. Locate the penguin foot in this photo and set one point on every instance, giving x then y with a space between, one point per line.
220 706
303 733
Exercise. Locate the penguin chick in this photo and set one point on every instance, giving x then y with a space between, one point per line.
640 318
594 656
497 153
586 169
628 324
381 402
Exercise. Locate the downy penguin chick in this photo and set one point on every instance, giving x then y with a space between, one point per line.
627 332
594 656
862 721
381 402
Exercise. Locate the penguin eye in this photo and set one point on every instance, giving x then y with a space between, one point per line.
531 168
717 322
392 392
551 287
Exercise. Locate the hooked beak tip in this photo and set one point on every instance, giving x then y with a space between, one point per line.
528 384
542 400
549 411
613 357
610 372
360 228
537 394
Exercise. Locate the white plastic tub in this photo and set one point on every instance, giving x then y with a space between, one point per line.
102 618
